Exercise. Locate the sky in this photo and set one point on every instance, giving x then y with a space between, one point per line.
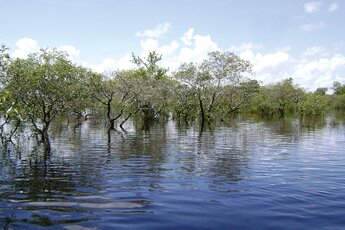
304 40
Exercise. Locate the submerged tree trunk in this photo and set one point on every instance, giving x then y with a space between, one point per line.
112 121
129 115
108 114
149 113
202 111
281 111
44 132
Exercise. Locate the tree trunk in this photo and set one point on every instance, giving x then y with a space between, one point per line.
112 121
109 112
202 112
129 115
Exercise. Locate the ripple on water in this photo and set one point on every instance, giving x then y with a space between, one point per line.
267 174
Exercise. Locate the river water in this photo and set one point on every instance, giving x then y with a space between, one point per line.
249 174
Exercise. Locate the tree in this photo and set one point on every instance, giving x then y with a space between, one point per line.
9 116
80 106
4 63
279 98
338 97
185 104
209 79
312 105
43 86
104 91
238 97
151 85
339 89
321 91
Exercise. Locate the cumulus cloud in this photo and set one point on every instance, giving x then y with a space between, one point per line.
24 47
319 72
333 7
156 32
150 44
187 37
270 60
315 51
72 52
312 68
313 26
312 7
261 62
193 48
196 48
112 64
245 46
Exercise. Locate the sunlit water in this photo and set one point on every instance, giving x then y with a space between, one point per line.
249 174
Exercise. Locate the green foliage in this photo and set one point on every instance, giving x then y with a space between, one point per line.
185 103
47 85
211 82
312 105
338 102
151 86
321 91
339 89
44 86
279 99
239 97
9 116
148 66
4 63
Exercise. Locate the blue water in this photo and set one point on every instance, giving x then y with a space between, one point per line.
249 174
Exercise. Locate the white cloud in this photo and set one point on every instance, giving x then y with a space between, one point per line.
271 60
319 72
245 46
261 62
314 67
72 52
333 7
108 64
150 44
313 26
187 37
315 50
156 32
112 64
195 50
312 7
24 47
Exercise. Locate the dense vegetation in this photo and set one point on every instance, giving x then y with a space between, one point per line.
47 85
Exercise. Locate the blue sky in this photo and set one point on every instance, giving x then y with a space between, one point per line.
304 40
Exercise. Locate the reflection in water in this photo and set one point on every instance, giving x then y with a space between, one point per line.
176 176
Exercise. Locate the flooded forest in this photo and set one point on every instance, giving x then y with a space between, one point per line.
153 148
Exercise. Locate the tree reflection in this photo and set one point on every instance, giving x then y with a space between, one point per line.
227 153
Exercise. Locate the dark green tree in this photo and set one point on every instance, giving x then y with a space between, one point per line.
44 86
210 79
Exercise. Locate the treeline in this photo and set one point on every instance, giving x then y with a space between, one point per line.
47 85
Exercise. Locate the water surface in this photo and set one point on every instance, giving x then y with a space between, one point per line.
249 174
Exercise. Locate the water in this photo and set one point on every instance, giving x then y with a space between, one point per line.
248 175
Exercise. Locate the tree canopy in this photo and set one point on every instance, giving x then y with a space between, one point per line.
47 85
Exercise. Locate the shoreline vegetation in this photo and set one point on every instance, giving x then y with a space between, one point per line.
47 86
